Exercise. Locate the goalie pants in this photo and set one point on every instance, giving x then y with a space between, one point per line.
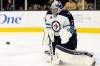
72 44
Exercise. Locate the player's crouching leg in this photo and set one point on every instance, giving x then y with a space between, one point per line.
75 57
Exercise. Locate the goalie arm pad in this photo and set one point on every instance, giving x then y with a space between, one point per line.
65 33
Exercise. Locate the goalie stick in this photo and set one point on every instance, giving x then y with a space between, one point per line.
51 49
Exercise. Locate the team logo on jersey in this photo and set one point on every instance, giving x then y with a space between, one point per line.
56 26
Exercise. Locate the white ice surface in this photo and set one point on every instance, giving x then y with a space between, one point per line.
25 49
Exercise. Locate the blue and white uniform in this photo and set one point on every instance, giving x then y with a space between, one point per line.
66 36
60 29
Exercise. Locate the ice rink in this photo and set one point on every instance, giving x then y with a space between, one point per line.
25 49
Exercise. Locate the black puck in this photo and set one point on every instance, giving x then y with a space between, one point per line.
8 43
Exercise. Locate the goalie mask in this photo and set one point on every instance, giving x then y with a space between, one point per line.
56 4
56 7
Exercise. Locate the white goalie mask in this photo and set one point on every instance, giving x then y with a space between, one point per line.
56 4
56 7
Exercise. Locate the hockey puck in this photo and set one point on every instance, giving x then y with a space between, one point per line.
8 43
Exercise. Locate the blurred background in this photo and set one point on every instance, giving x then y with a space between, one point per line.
35 5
